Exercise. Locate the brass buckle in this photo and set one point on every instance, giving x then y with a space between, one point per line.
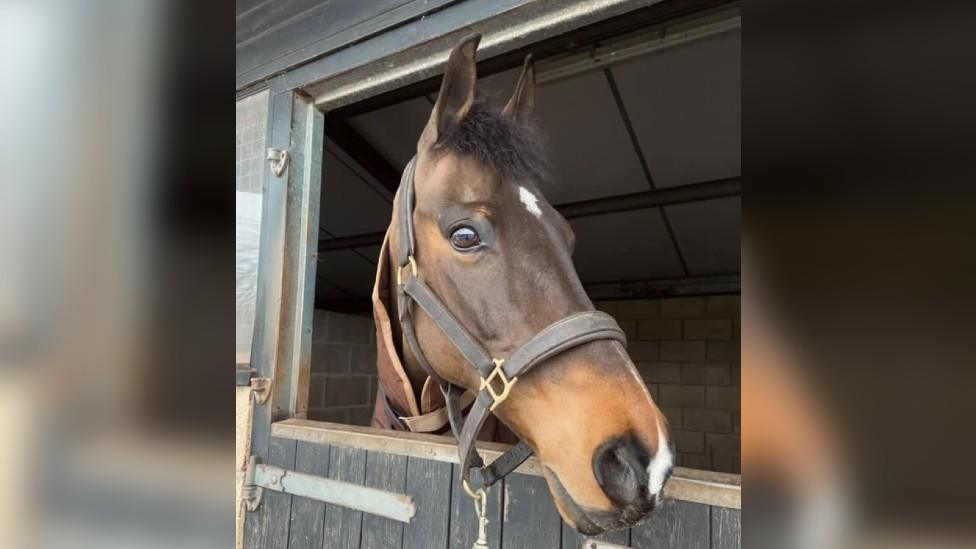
497 397
413 267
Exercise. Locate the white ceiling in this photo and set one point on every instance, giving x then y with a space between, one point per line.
683 104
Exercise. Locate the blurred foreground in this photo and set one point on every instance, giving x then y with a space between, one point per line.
117 297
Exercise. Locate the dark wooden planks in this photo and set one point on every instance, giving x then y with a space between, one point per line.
726 528
677 524
267 44
386 472
268 15
267 528
429 484
308 515
343 527
464 521
574 540
530 517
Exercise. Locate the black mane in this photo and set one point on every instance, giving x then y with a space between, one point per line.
515 149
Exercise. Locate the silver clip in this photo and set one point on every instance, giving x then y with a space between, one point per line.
481 508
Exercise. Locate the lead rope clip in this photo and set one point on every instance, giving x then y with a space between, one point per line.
481 509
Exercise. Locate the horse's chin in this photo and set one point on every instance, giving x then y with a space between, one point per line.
568 508
591 522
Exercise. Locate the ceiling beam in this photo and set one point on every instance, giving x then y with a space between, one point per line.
340 132
683 194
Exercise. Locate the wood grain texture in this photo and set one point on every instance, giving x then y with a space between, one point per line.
464 521
386 472
429 484
268 527
726 528
529 514
343 527
693 485
308 515
677 524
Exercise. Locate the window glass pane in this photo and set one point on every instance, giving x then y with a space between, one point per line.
252 117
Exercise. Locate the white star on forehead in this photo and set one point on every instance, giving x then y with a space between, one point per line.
530 200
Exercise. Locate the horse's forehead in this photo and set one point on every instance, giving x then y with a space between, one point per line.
463 179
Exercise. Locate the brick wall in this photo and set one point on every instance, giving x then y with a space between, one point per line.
343 382
687 351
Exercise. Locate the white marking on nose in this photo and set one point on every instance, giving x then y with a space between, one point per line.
660 464
530 200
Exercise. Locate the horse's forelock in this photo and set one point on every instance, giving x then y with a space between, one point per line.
515 149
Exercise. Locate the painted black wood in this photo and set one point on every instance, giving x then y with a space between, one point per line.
272 39
726 528
521 510
677 524
267 528
386 472
264 17
343 526
308 515
429 484
464 522
574 540
529 515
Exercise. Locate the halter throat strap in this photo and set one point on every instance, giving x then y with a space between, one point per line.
498 375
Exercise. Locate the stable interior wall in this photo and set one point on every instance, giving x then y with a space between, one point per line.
343 381
687 351
685 348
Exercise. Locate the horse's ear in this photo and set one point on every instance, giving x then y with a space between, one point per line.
523 98
457 90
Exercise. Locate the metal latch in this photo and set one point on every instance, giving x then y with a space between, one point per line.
278 158
261 387
250 492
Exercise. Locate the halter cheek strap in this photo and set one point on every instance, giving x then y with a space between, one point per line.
498 376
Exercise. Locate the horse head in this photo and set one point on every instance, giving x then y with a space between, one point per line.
499 258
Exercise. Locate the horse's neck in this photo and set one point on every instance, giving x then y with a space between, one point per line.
415 373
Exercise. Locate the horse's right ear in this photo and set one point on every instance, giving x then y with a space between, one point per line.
457 91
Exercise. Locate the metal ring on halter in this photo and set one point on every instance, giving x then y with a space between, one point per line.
467 488
413 267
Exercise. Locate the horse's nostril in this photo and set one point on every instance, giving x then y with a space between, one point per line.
620 468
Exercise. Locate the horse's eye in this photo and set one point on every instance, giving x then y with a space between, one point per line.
465 238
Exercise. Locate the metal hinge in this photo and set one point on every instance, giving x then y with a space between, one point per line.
278 158
250 492
261 388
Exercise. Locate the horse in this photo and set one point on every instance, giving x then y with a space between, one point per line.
471 225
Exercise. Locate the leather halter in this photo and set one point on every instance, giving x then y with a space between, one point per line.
560 336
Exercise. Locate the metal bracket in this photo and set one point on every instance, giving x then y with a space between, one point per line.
261 388
278 158
392 505
250 492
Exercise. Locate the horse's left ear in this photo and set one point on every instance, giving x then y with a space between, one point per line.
523 98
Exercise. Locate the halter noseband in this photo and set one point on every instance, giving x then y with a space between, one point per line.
560 336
